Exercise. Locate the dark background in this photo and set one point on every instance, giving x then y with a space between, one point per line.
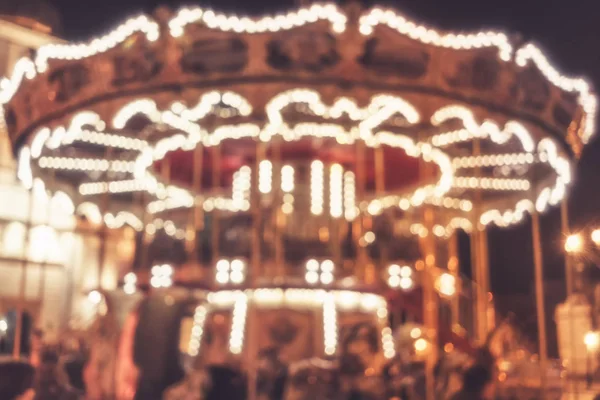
569 32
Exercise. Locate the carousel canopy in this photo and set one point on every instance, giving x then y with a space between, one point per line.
169 112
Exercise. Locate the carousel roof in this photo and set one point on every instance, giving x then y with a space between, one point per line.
495 124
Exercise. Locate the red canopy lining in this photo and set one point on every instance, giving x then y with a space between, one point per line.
400 170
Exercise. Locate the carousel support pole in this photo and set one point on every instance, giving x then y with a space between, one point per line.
479 262
103 234
197 211
380 190
256 259
539 296
44 263
256 211
430 297
279 217
359 224
24 264
216 183
430 301
475 288
483 281
146 237
334 224
453 267
566 231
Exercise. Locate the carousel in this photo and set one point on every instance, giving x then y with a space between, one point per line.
295 174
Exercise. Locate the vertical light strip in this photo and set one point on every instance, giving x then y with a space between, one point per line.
197 331
241 188
236 340
349 196
330 330
24 168
388 341
335 190
316 187
287 178
265 176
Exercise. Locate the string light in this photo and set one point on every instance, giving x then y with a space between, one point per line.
316 12
162 276
400 277
350 210
493 160
91 212
492 183
95 297
319 271
265 176
287 179
88 189
336 191
86 164
39 139
130 283
24 172
233 271
472 129
330 324
507 217
274 297
446 284
208 102
241 188
238 326
316 187
197 330
426 35
387 341
123 218
112 140
146 107
586 99
448 202
24 69
99 45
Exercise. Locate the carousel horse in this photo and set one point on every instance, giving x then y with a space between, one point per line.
51 382
101 374
271 375
314 379
479 376
361 362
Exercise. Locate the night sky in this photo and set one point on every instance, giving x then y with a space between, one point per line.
569 32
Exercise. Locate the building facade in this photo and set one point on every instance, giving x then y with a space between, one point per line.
48 258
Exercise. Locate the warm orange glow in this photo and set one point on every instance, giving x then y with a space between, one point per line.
448 347
592 341
421 345
574 243
420 265
596 237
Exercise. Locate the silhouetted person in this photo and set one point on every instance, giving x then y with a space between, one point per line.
226 383
475 381
51 382
16 380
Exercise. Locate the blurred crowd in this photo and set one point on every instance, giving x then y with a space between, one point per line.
139 358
